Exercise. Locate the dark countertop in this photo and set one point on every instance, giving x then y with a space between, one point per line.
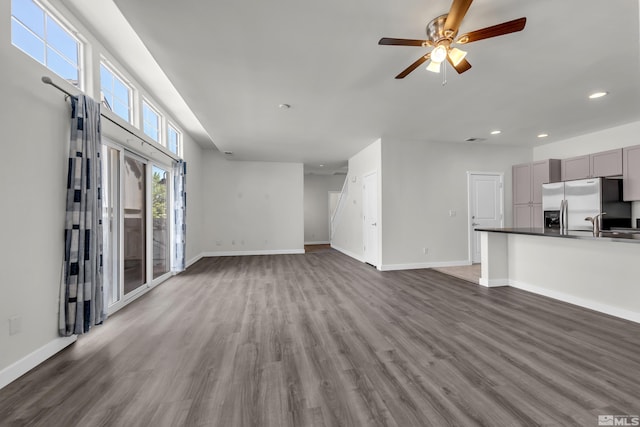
608 236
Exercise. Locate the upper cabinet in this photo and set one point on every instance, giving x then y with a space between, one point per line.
631 173
527 190
605 163
529 177
576 168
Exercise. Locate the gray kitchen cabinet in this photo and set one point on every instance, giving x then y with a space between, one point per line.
605 163
576 168
631 173
527 190
522 216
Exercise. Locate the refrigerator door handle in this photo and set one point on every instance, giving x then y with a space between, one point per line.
564 214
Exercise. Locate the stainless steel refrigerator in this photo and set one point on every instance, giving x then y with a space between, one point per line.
565 205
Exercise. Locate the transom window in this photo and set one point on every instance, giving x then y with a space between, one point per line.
116 94
37 33
150 121
173 139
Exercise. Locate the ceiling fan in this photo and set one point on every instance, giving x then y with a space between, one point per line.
441 35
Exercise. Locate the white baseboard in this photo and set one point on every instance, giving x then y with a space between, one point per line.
348 253
415 266
622 313
33 359
493 283
258 252
322 242
193 260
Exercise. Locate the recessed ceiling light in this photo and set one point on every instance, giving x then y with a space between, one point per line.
496 132
543 135
321 166
284 106
596 95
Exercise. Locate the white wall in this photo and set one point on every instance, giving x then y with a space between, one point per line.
421 183
251 207
608 139
35 122
316 206
348 234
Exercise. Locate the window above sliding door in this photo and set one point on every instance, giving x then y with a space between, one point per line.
116 93
39 34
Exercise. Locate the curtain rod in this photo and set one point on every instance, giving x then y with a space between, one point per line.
47 80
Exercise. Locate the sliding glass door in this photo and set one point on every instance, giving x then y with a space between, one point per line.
137 223
134 209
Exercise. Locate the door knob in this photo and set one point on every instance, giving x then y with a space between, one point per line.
475 223
374 224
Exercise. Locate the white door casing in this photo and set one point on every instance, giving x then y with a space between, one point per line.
370 218
486 206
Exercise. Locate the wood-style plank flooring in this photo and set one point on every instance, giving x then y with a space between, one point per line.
323 340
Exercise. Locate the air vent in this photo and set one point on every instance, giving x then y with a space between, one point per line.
475 139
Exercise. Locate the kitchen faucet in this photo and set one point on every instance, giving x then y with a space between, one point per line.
595 221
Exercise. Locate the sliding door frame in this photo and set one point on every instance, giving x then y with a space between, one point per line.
149 282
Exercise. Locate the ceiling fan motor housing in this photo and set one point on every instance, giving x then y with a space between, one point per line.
436 32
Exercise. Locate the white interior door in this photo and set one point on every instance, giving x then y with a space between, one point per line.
486 207
370 218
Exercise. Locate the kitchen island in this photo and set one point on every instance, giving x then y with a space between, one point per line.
597 272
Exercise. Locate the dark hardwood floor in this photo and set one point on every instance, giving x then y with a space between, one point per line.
323 340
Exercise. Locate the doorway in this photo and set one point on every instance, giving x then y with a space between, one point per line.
486 206
137 218
370 218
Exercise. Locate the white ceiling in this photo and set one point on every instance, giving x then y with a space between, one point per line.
234 61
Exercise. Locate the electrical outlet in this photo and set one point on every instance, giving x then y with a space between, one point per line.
425 251
452 213
15 325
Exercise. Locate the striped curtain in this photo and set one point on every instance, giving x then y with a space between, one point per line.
179 215
81 292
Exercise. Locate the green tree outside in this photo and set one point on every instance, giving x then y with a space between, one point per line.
159 194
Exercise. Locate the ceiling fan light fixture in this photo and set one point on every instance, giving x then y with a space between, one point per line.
434 67
439 54
456 55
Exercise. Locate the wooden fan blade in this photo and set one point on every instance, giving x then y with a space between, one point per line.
413 66
400 42
493 31
462 65
456 14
